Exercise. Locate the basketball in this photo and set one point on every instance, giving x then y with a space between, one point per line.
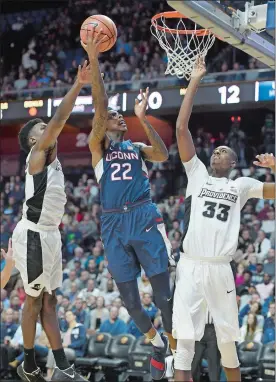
99 22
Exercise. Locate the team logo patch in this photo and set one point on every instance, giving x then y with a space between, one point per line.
233 189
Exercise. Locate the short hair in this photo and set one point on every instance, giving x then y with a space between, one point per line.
23 135
234 156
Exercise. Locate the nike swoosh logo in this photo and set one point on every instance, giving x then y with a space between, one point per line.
229 291
148 229
169 299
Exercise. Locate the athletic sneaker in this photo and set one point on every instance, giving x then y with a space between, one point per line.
35 376
158 360
67 375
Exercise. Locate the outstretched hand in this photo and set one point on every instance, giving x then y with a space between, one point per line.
141 106
84 74
265 160
8 256
199 68
93 43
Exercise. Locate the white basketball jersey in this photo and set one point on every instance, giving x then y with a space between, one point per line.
44 195
212 211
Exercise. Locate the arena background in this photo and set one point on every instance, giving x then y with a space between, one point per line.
40 51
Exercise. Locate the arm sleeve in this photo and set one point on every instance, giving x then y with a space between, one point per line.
195 168
197 174
249 188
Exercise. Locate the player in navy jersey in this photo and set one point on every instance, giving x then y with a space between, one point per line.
132 228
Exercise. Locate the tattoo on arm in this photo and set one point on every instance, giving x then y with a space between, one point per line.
100 100
156 141
99 127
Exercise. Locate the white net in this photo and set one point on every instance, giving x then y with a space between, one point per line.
182 49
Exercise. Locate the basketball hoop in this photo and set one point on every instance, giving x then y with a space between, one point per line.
182 45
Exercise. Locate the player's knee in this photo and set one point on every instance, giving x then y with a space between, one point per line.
229 356
33 305
184 354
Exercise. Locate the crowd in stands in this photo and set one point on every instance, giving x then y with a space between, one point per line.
89 301
42 49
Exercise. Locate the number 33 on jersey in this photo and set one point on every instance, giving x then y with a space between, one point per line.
122 175
212 210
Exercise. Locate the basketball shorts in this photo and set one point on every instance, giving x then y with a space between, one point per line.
203 284
38 257
134 239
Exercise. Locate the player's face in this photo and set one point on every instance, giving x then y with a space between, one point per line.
37 132
222 159
116 121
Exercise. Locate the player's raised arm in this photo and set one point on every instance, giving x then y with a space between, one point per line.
56 124
184 139
157 152
99 95
267 161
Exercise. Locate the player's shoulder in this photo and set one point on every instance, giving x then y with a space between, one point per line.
245 181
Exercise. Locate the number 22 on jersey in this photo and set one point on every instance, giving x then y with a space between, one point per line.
121 171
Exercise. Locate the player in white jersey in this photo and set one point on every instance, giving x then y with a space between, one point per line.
212 219
36 239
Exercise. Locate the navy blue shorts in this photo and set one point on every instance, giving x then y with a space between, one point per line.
135 239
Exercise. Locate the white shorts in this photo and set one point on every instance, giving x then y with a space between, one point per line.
38 257
202 285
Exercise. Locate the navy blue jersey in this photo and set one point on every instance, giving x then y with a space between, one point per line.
122 175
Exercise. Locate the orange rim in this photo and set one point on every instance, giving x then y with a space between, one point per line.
176 15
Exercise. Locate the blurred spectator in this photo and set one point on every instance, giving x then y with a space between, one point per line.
98 315
262 245
269 325
8 327
21 82
82 316
149 306
66 285
264 289
90 290
250 331
258 274
123 313
269 265
113 325
111 293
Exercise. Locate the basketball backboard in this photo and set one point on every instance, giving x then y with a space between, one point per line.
232 24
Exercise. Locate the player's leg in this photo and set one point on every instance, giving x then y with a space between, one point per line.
28 260
48 312
189 313
230 361
124 266
185 352
50 325
153 249
221 300
130 294
30 313
196 364
163 299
